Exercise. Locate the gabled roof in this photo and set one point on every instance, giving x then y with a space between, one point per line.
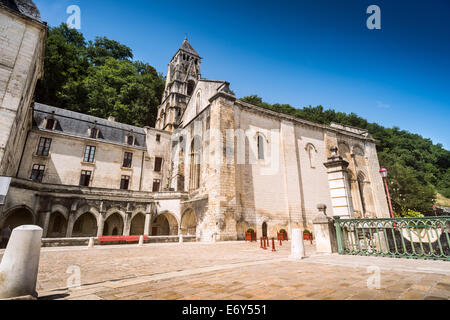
186 46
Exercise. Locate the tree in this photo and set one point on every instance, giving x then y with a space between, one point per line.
98 78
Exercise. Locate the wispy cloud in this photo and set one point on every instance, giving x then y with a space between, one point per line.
382 105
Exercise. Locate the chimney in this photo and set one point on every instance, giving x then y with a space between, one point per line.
112 119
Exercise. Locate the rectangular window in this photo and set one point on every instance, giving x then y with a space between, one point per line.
85 178
37 173
125 182
158 164
89 154
158 138
156 185
127 160
44 147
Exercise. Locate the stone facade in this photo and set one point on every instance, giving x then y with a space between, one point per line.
213 167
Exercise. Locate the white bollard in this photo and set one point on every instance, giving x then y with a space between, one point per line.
20 264
181 239
141 241
91 243
297 247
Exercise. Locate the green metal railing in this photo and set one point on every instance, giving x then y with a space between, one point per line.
414 238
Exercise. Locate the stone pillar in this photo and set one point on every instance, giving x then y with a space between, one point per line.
147 224
100 225
297 246
324 232
46 223
127 224
70 224
20 263
339 185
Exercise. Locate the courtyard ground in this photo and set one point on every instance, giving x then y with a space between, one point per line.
232 271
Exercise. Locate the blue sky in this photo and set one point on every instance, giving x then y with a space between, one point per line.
309 52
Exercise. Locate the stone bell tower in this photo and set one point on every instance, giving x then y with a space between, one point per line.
182 77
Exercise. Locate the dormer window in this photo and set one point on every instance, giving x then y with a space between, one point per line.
94 133
50 124
130 140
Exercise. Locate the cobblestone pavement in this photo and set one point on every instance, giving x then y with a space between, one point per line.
233 271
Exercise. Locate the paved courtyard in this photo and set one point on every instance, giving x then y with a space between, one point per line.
232 271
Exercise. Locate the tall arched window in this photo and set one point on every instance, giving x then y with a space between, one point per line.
361 180
311 154
197 102
260 147
196 149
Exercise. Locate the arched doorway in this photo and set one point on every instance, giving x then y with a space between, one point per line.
264 229
85 226
113 225
165 225
57 226
18 217
189 223
137 225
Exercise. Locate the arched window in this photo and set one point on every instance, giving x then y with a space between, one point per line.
361 180
260 147
311 150
195 163
197 101
130 140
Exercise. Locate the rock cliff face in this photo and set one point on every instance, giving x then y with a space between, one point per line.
26 7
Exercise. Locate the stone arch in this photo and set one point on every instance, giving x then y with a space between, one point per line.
61 209
18 216
165 224
57 226
137 226
86 209
114 223
85 225
312 151
189 223
198 98
358 150
265 229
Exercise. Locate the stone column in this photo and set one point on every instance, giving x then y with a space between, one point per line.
70 224
45 224
339 185
100 224
127 224
324 232
147 224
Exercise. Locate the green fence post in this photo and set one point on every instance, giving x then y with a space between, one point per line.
338 234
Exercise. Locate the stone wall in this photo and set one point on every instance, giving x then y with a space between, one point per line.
22 45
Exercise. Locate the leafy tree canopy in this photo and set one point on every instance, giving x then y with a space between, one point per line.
98 78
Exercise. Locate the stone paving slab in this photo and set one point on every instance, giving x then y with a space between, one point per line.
233 271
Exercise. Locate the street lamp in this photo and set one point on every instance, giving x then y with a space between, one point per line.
384 175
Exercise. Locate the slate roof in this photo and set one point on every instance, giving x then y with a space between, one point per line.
78 124
25 7
186 46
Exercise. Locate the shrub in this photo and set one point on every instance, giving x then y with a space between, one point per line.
283 231
250 231
306 231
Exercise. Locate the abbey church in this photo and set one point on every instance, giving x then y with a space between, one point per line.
212 167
